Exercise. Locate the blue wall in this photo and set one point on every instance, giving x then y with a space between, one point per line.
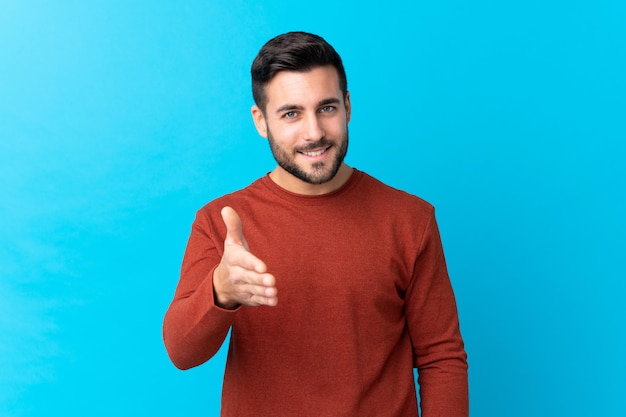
118 120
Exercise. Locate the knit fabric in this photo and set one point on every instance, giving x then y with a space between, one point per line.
363 298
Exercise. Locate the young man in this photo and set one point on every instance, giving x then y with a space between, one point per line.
334 284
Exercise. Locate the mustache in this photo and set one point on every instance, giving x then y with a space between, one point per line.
322 143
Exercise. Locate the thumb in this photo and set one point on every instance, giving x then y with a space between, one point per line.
234 228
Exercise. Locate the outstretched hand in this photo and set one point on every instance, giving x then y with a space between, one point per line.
241 278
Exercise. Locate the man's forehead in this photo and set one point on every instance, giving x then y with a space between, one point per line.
311 85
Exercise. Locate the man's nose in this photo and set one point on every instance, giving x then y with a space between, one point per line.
313 128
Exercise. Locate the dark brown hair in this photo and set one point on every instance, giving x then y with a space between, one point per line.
293 51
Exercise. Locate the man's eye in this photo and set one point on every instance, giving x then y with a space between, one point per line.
290 115
327 109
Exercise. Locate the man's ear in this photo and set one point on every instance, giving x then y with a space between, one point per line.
259 120
348 106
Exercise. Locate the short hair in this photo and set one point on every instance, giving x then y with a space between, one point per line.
292 51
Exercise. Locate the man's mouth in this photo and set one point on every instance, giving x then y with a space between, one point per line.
315 153
314 150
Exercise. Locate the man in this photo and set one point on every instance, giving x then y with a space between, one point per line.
334 284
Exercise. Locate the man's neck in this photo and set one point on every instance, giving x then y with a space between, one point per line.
295 185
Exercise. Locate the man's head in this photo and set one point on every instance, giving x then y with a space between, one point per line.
293 51
303 109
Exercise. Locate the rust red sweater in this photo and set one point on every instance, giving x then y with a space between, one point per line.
364 297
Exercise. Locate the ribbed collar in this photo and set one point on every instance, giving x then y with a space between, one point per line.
320 199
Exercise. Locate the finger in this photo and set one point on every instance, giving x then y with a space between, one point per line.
258 300
234 228
251 291
240 257
262 296
246 280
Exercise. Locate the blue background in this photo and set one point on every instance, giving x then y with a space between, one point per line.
118 120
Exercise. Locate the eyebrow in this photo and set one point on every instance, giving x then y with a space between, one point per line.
321 103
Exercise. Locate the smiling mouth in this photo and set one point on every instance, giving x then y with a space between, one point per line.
315 153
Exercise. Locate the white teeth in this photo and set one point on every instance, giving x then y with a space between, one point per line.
317 153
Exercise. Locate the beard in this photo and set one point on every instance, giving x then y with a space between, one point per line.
320 172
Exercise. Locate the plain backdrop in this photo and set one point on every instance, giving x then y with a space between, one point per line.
118 120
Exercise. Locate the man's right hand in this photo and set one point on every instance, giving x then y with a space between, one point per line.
241 278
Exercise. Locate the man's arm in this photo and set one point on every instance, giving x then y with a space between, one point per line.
213 284
438 348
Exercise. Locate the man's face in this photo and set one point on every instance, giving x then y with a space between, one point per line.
306 123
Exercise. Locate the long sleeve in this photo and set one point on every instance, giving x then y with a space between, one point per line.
194 328
364 298
438 347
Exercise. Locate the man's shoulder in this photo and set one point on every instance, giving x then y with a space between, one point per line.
235 197
389 195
